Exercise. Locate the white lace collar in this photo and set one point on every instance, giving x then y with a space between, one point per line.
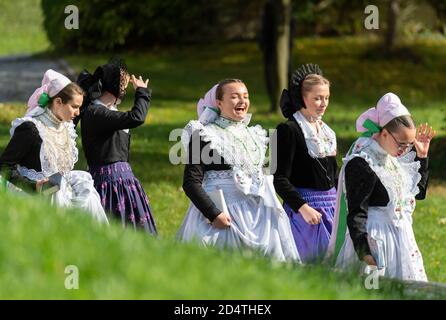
399 175
379 154
223 122
49 119
242 147
320 144
58 152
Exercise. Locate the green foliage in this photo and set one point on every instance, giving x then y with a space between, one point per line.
21 25
344 17
97 20
329 17
108 24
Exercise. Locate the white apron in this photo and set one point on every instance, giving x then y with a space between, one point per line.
390 234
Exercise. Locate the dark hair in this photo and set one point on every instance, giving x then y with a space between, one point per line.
67 93
219 92
398 122
109 77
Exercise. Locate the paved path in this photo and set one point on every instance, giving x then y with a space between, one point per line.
21 75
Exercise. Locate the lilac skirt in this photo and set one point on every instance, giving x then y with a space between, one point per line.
312 240
122 195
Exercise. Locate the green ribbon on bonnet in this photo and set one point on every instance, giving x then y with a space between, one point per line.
44 99
371 127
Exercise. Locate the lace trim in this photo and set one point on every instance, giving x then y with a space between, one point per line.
412 170
223 122
319 145
400 177
217 175
30 173
243 147
227 147
51 117
48 160
247 172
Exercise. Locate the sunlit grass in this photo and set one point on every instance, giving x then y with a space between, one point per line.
21 26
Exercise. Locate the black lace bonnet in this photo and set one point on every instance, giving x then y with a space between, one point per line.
111 77
291 99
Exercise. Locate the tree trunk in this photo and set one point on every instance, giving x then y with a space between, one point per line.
275 44
282 49
392 25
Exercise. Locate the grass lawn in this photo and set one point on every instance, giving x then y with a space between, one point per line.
39 242
21 24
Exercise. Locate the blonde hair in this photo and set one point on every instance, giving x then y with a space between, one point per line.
313 80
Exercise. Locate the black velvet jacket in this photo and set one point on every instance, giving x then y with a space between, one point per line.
103 137
295 167
23 149
194 174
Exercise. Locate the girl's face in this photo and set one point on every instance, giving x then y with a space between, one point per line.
235 102
316 101
398 143
67 111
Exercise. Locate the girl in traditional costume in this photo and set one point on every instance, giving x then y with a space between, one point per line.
306 162
106 142
379 181
43 143
227 155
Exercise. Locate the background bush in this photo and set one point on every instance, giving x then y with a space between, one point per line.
105 25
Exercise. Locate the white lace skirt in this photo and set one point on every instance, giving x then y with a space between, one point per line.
77 190
253 225
394 248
